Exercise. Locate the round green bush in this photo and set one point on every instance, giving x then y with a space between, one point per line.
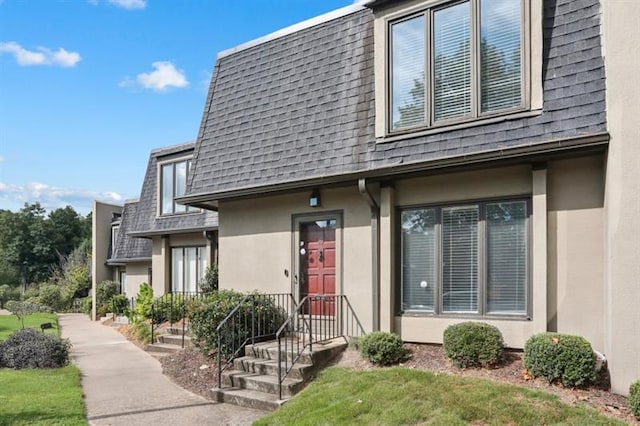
29 348
382 348
471 344
206 314
634 398
119 304
567 358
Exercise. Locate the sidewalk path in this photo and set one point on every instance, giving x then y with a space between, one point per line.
123 385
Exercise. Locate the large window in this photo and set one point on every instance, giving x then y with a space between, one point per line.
188 265
460 61
469 258
173 185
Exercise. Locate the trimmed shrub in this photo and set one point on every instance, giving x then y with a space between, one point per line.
382 348
206 314
554 356
471 344
634 398
119 304
104 292
29 348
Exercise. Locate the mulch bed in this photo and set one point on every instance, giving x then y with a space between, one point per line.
197 373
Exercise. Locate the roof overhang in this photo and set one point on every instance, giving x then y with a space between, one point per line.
579 145
159 232
123 262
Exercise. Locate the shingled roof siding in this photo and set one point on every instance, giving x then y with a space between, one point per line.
127 247
146 220
302 106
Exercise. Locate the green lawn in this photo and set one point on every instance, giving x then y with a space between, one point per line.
404 396
41 397
11 323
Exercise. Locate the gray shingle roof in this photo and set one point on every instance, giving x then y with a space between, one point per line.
302 106
147 222
129 249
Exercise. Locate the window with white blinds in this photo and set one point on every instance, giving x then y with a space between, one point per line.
466 259
456 61
500 54
418 259
188 265
460 259
452 61
507 261
408 41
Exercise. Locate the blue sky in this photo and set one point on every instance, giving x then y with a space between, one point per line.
89 87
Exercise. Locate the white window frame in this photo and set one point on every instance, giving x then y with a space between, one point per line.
201 259
160 186
482 279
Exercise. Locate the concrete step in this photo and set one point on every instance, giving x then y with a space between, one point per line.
270 367
247 398
163 347
261 382
174 340
321 354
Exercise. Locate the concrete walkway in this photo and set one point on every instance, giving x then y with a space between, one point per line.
123 385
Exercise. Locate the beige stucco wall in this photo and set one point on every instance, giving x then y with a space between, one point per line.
576 248
101 236
621 33
566 246
161 256
256 242
137 273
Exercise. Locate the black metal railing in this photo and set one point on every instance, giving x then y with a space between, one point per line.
172 308
317 318
255 319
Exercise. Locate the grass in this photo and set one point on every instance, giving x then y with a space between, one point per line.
404 396
11 323
41 397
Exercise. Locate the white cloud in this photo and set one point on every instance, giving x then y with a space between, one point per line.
165 76
41 56
2 159
52 197
129 4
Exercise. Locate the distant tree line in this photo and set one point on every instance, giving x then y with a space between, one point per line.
36 247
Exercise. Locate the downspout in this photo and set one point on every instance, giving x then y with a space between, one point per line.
375 250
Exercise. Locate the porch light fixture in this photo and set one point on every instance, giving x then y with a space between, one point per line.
314 198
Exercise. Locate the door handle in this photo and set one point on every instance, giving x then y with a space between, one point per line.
321 256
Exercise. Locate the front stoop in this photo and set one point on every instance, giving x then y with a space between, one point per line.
254 380
167 344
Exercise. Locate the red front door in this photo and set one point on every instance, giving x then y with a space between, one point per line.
318 265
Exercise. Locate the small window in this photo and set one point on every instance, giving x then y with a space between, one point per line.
456 62
115 230
465 259
174 184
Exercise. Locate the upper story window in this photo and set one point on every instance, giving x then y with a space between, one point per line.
454 62
115 230
173 185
